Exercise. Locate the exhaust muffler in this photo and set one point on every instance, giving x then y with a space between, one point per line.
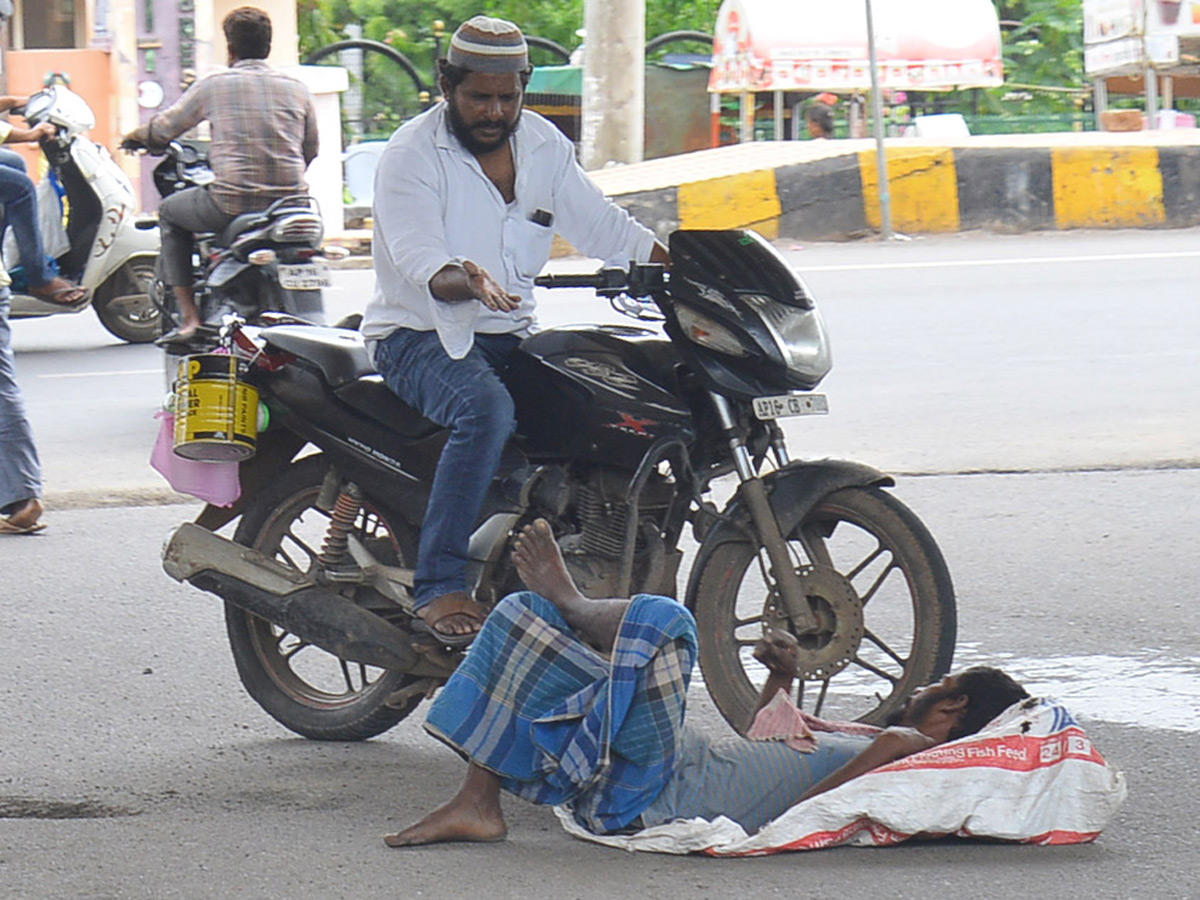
262 586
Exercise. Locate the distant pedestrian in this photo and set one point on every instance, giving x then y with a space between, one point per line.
20 471
820 121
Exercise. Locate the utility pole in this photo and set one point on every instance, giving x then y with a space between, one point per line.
614 82
885 190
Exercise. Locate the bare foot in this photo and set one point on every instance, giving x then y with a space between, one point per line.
540 564
779 652
448 824
473 815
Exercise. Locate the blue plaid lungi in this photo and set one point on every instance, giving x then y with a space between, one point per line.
560 723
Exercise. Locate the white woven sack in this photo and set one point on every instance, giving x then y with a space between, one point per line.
1032 775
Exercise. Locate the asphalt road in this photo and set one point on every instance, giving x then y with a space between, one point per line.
1038 396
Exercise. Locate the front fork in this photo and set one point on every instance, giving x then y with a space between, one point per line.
783 572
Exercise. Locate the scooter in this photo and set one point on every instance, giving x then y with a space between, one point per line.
109 252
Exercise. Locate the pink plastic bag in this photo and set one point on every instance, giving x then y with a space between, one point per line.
213 482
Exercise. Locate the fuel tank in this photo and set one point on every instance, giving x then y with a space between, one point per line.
597 393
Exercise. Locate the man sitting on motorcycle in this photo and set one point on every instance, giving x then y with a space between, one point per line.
566 700
18 197
264 135
469 196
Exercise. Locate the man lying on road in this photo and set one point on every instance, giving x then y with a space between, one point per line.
565 699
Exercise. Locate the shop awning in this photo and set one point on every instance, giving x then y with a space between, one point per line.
821 45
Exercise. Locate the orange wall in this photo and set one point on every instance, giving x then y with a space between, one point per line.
90 72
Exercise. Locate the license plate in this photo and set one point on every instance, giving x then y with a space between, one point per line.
305 277
791 405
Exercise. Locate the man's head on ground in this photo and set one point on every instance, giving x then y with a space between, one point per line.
247 33
961 704
483 78
820 120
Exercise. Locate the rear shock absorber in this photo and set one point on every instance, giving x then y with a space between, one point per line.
335 552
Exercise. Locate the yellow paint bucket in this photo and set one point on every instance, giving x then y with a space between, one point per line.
216 410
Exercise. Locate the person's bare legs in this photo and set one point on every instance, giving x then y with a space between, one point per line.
540 565
473 814
185 298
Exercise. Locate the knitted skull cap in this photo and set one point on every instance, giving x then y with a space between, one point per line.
484 44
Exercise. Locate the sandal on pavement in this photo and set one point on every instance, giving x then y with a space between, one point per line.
25 519
7 527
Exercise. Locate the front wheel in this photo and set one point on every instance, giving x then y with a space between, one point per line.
125 304
312 692
882 596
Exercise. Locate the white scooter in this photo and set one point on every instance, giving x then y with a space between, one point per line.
107 254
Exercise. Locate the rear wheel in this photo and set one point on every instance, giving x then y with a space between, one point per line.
126 307
312 692
879 587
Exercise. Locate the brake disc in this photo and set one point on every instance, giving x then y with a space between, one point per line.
839 613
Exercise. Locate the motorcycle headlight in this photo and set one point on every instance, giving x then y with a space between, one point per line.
799 334
706 332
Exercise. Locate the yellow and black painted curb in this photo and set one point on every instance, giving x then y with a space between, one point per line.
942 189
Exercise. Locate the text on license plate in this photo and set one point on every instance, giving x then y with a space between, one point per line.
305 277
791 405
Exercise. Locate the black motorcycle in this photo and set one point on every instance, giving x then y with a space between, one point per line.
268 260
626 436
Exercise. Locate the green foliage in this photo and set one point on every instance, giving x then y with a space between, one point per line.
420 29
1043 46
408 25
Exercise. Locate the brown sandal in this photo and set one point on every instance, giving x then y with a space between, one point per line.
456 603
25 519
67 295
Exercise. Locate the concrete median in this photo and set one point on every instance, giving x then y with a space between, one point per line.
829 190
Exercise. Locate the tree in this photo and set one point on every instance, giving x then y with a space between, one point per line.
389 96
1043 47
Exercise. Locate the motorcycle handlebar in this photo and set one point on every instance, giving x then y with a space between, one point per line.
641 279
605 278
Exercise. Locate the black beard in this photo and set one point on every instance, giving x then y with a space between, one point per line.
917 707
466 136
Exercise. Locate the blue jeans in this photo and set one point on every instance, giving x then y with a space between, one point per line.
20 471
19 199
466 396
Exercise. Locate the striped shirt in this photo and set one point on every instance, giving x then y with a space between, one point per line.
264 133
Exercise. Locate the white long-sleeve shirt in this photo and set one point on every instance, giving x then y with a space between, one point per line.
434 205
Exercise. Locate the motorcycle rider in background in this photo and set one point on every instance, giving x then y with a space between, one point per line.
264 135
468 198
19 199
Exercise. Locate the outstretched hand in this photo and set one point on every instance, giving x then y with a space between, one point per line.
487 290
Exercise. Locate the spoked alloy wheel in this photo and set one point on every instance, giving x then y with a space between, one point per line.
882 596
305 688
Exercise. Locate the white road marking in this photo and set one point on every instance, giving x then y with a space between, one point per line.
1009 261
102 374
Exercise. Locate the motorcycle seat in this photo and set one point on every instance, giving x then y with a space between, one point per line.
340 354
243 223
371 396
